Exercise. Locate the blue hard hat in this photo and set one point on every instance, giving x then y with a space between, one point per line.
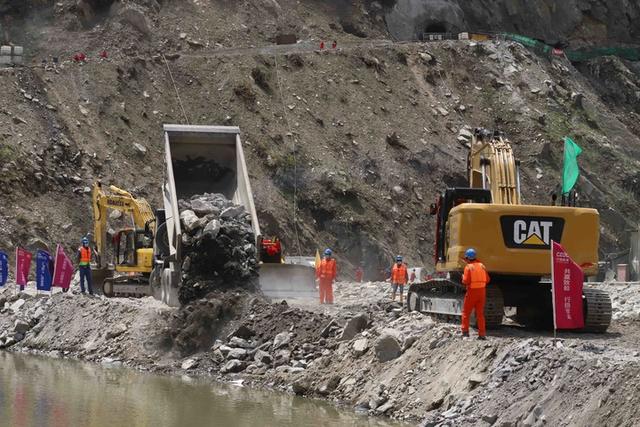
327 252
470 254
398 258
85 241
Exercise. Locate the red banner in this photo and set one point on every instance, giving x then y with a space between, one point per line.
23 265
566 278
62 269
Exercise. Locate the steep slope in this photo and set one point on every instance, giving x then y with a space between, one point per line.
361 137
574 21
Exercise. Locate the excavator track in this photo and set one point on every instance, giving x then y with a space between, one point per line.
443 299
597 310
124 286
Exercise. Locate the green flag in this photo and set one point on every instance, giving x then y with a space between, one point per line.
570 170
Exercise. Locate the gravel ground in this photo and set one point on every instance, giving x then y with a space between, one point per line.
364 351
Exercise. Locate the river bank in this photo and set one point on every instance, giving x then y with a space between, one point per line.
364 351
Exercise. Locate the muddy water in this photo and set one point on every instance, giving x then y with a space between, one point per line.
36 391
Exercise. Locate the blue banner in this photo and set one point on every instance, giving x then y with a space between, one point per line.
4 268
44 275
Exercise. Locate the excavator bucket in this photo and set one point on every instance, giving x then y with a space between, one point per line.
288 281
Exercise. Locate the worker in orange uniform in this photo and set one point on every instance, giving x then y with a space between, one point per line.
475 278
326 273
359 274
399 278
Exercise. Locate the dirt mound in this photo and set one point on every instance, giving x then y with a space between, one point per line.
197 325
268 320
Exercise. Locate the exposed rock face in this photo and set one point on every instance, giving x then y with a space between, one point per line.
551 20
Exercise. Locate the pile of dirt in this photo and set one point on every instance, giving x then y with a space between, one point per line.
268 320
218 246
197 325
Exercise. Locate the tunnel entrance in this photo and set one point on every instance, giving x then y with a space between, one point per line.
434 31
437 27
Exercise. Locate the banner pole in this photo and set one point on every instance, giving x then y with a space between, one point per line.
15 290
553 293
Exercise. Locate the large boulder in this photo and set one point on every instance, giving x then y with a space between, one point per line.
237 353
212 229
16 306
189 364
240 342
242 332
282 339
189 220
232 212
355 325
21 326
387 348
263 357
233 366
203 207
360 346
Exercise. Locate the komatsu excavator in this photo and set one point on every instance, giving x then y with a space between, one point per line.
511 239
124 259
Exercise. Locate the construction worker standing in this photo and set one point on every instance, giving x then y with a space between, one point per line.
359 274
84 264
399 277
326 274
475 279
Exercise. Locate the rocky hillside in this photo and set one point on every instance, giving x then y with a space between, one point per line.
361 137
577 22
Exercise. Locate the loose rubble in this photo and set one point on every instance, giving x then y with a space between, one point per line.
625 300
364 351
218 246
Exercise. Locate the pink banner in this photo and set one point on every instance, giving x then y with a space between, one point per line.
23 265
62 269
567 278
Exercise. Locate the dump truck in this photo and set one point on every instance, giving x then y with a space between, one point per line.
222 145
512 240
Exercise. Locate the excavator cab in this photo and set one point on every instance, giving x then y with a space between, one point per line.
133 249
451 198
128 242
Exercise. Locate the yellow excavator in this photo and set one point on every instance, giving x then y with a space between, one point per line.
124 258
512 240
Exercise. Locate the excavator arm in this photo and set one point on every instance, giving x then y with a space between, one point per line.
492 166
119 200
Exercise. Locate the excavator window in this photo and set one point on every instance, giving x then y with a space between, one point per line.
451 198
125 242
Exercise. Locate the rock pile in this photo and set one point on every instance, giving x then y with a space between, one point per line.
625 299
25 319
218 246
